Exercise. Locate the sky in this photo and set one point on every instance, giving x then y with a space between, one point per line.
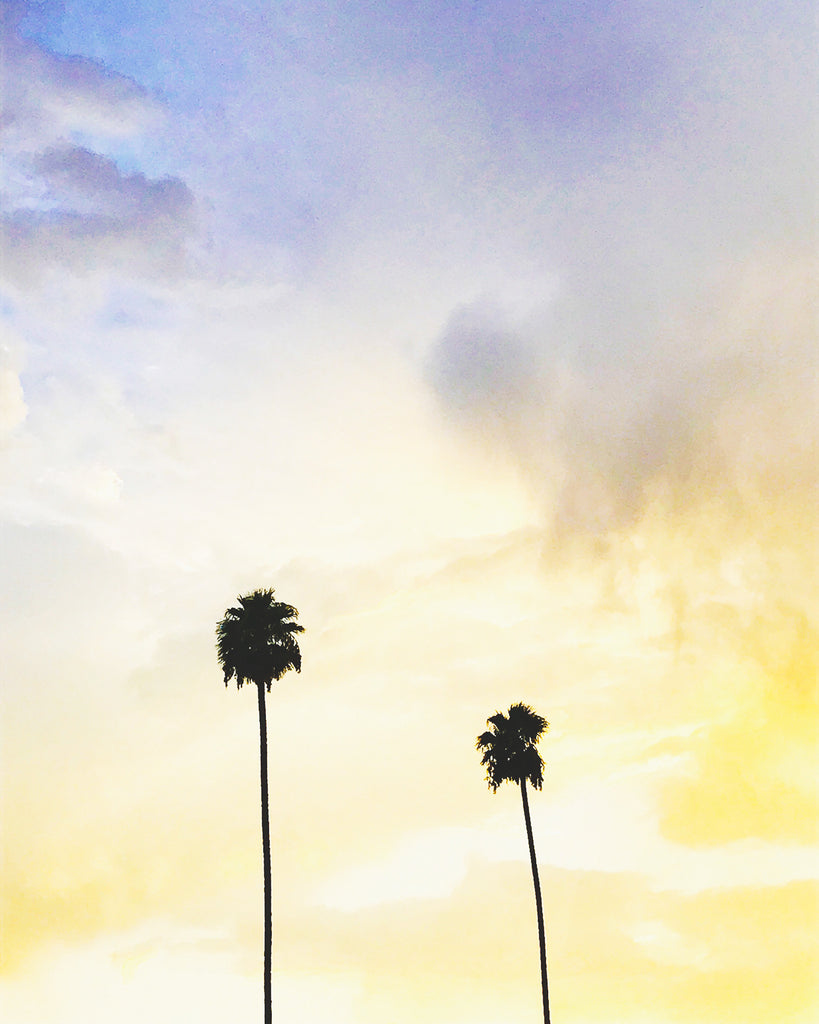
485 333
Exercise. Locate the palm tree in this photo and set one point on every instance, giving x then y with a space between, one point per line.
510 754
256 643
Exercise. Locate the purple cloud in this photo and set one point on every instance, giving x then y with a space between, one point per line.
94 214
65 204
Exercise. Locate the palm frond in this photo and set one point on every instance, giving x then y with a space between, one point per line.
509 748
485 739
527 723
255 642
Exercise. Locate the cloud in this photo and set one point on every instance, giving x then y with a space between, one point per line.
49 95
149 970
70 206
480 361
13 407
612 941
671 355
606 822
97 216
600 424
76 175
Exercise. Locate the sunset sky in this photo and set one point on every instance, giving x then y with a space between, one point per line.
486 334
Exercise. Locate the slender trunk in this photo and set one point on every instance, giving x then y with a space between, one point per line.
268 909
541 932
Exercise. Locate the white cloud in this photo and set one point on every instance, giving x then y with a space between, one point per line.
611 824
427 865
50 95
606 824
13 406
175 977
166 972
667 946
91 483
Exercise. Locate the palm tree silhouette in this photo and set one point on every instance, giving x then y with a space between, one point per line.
510 754
256 643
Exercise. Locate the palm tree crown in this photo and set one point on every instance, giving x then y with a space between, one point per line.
509 748
256 642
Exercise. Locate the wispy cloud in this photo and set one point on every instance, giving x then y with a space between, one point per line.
70 206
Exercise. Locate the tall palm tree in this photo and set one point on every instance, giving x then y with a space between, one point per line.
256 643
510 754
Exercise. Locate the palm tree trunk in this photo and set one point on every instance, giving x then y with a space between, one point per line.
541 931
268 908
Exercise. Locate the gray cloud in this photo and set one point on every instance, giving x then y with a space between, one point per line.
79 174
97 215
480 360
68 205
598 420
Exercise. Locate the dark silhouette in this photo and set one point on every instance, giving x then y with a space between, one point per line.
256 643
510 754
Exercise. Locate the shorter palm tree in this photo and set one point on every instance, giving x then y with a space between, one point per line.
510 754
